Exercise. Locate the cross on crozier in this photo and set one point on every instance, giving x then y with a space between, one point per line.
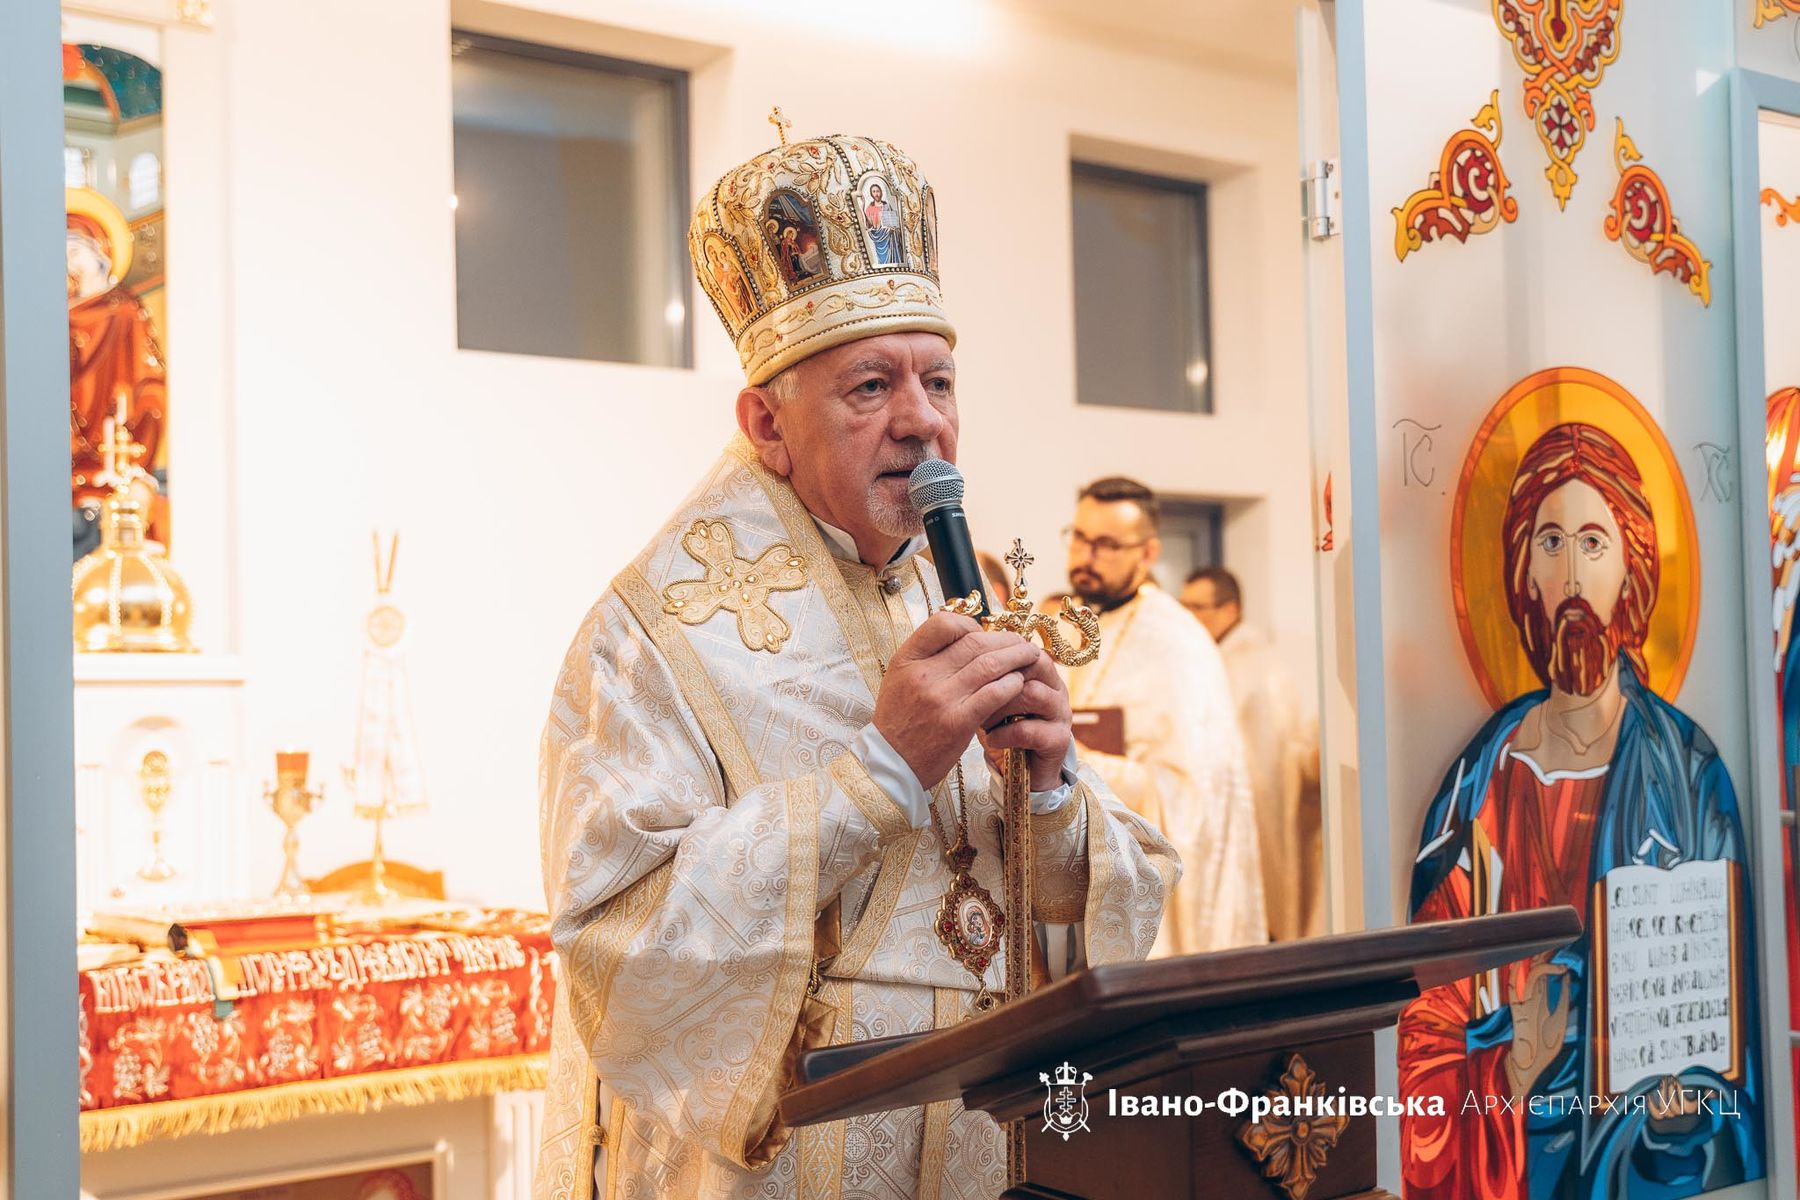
1018 560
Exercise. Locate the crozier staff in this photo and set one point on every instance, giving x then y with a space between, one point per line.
764 773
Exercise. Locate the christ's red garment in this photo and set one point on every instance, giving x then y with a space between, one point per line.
1531 845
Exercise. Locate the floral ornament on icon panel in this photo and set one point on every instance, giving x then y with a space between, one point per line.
1564 48
816 243
1642 221
1468 194
1764 11
1785 210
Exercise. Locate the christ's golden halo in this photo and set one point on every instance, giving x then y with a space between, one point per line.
1478 559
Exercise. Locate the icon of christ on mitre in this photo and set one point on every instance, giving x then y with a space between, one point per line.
770 817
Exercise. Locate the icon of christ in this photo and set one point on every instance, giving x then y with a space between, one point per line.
1565 787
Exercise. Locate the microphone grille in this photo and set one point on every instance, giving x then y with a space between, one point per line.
934 484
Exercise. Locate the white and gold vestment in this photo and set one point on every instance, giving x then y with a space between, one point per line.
1279 749
1184 767
729 886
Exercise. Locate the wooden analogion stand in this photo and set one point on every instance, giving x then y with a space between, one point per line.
1292 1019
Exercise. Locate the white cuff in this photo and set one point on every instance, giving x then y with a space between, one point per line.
892 775
1044 803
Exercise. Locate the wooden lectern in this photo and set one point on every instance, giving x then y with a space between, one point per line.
1291 1018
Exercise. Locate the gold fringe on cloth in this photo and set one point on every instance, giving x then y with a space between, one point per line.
253 1108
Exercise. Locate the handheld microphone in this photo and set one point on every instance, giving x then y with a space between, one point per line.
936 490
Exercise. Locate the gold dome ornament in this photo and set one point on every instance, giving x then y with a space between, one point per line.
128 596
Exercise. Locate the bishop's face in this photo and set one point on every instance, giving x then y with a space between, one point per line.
1575 575
863 416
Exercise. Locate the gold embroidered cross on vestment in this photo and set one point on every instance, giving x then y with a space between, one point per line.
737 585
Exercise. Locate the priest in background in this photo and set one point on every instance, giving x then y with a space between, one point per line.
1281 749
1183 768
767 747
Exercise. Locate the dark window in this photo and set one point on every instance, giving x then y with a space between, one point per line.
1142 331
1193 536
571 204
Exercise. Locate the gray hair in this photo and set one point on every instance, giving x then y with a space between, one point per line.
784 387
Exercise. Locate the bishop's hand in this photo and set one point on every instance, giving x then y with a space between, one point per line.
1045 730
946 683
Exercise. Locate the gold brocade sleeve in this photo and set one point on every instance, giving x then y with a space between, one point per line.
683 890
1059 842
1131 873
1100 863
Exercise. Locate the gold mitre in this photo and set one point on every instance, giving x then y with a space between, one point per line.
817 243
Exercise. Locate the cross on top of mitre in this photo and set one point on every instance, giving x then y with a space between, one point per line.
780 122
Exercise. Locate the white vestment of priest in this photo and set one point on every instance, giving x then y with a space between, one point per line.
1184 767
1280 753
729 887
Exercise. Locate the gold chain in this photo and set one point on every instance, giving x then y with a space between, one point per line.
960 859
962 817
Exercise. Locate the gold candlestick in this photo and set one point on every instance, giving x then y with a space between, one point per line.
376 891
154 786
385 782
292 799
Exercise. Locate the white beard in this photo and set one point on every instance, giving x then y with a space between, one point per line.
895 520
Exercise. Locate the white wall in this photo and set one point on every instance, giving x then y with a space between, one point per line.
521 485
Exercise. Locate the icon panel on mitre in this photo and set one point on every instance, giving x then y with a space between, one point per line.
881 220
815 243
731 289
791 231
928 242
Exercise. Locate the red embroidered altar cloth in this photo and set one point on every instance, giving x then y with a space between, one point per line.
368 998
